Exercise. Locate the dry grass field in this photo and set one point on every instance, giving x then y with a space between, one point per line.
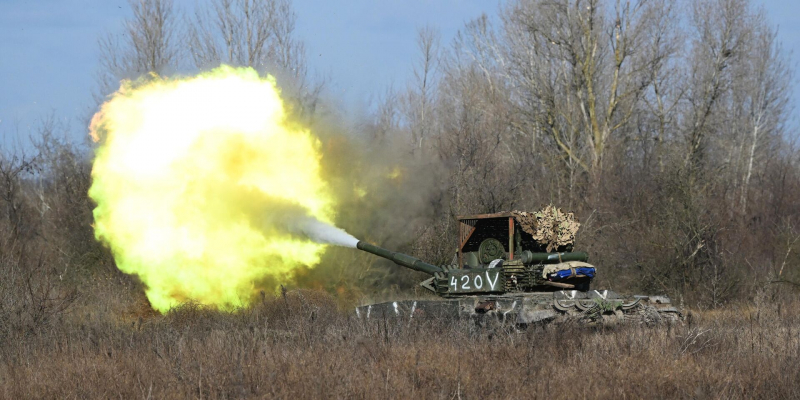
305 346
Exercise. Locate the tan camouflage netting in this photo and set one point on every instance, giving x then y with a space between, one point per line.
550 226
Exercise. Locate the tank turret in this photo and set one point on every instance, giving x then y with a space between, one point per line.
527 273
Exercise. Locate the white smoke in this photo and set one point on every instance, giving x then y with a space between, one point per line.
321 232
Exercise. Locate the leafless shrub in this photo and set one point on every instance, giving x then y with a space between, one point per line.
31 294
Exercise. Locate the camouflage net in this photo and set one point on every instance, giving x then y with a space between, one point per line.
550 227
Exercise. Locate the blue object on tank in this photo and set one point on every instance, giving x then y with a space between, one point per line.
566 273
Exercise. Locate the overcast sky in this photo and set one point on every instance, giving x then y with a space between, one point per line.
48 48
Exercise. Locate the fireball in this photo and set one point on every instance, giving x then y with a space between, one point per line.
196 181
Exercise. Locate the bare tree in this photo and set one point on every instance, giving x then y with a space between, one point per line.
258 34
253 33
722 30
239 32
578 71
662 50
763 98
475 120
421 94
147 45
386 118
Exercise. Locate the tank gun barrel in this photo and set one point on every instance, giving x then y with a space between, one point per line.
399 258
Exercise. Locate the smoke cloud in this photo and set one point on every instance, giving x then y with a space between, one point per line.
321 232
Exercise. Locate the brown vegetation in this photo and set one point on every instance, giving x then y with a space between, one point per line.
300 346
671 145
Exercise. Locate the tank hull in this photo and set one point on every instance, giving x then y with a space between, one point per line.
522 309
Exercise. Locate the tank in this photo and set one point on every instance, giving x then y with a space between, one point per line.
508 267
